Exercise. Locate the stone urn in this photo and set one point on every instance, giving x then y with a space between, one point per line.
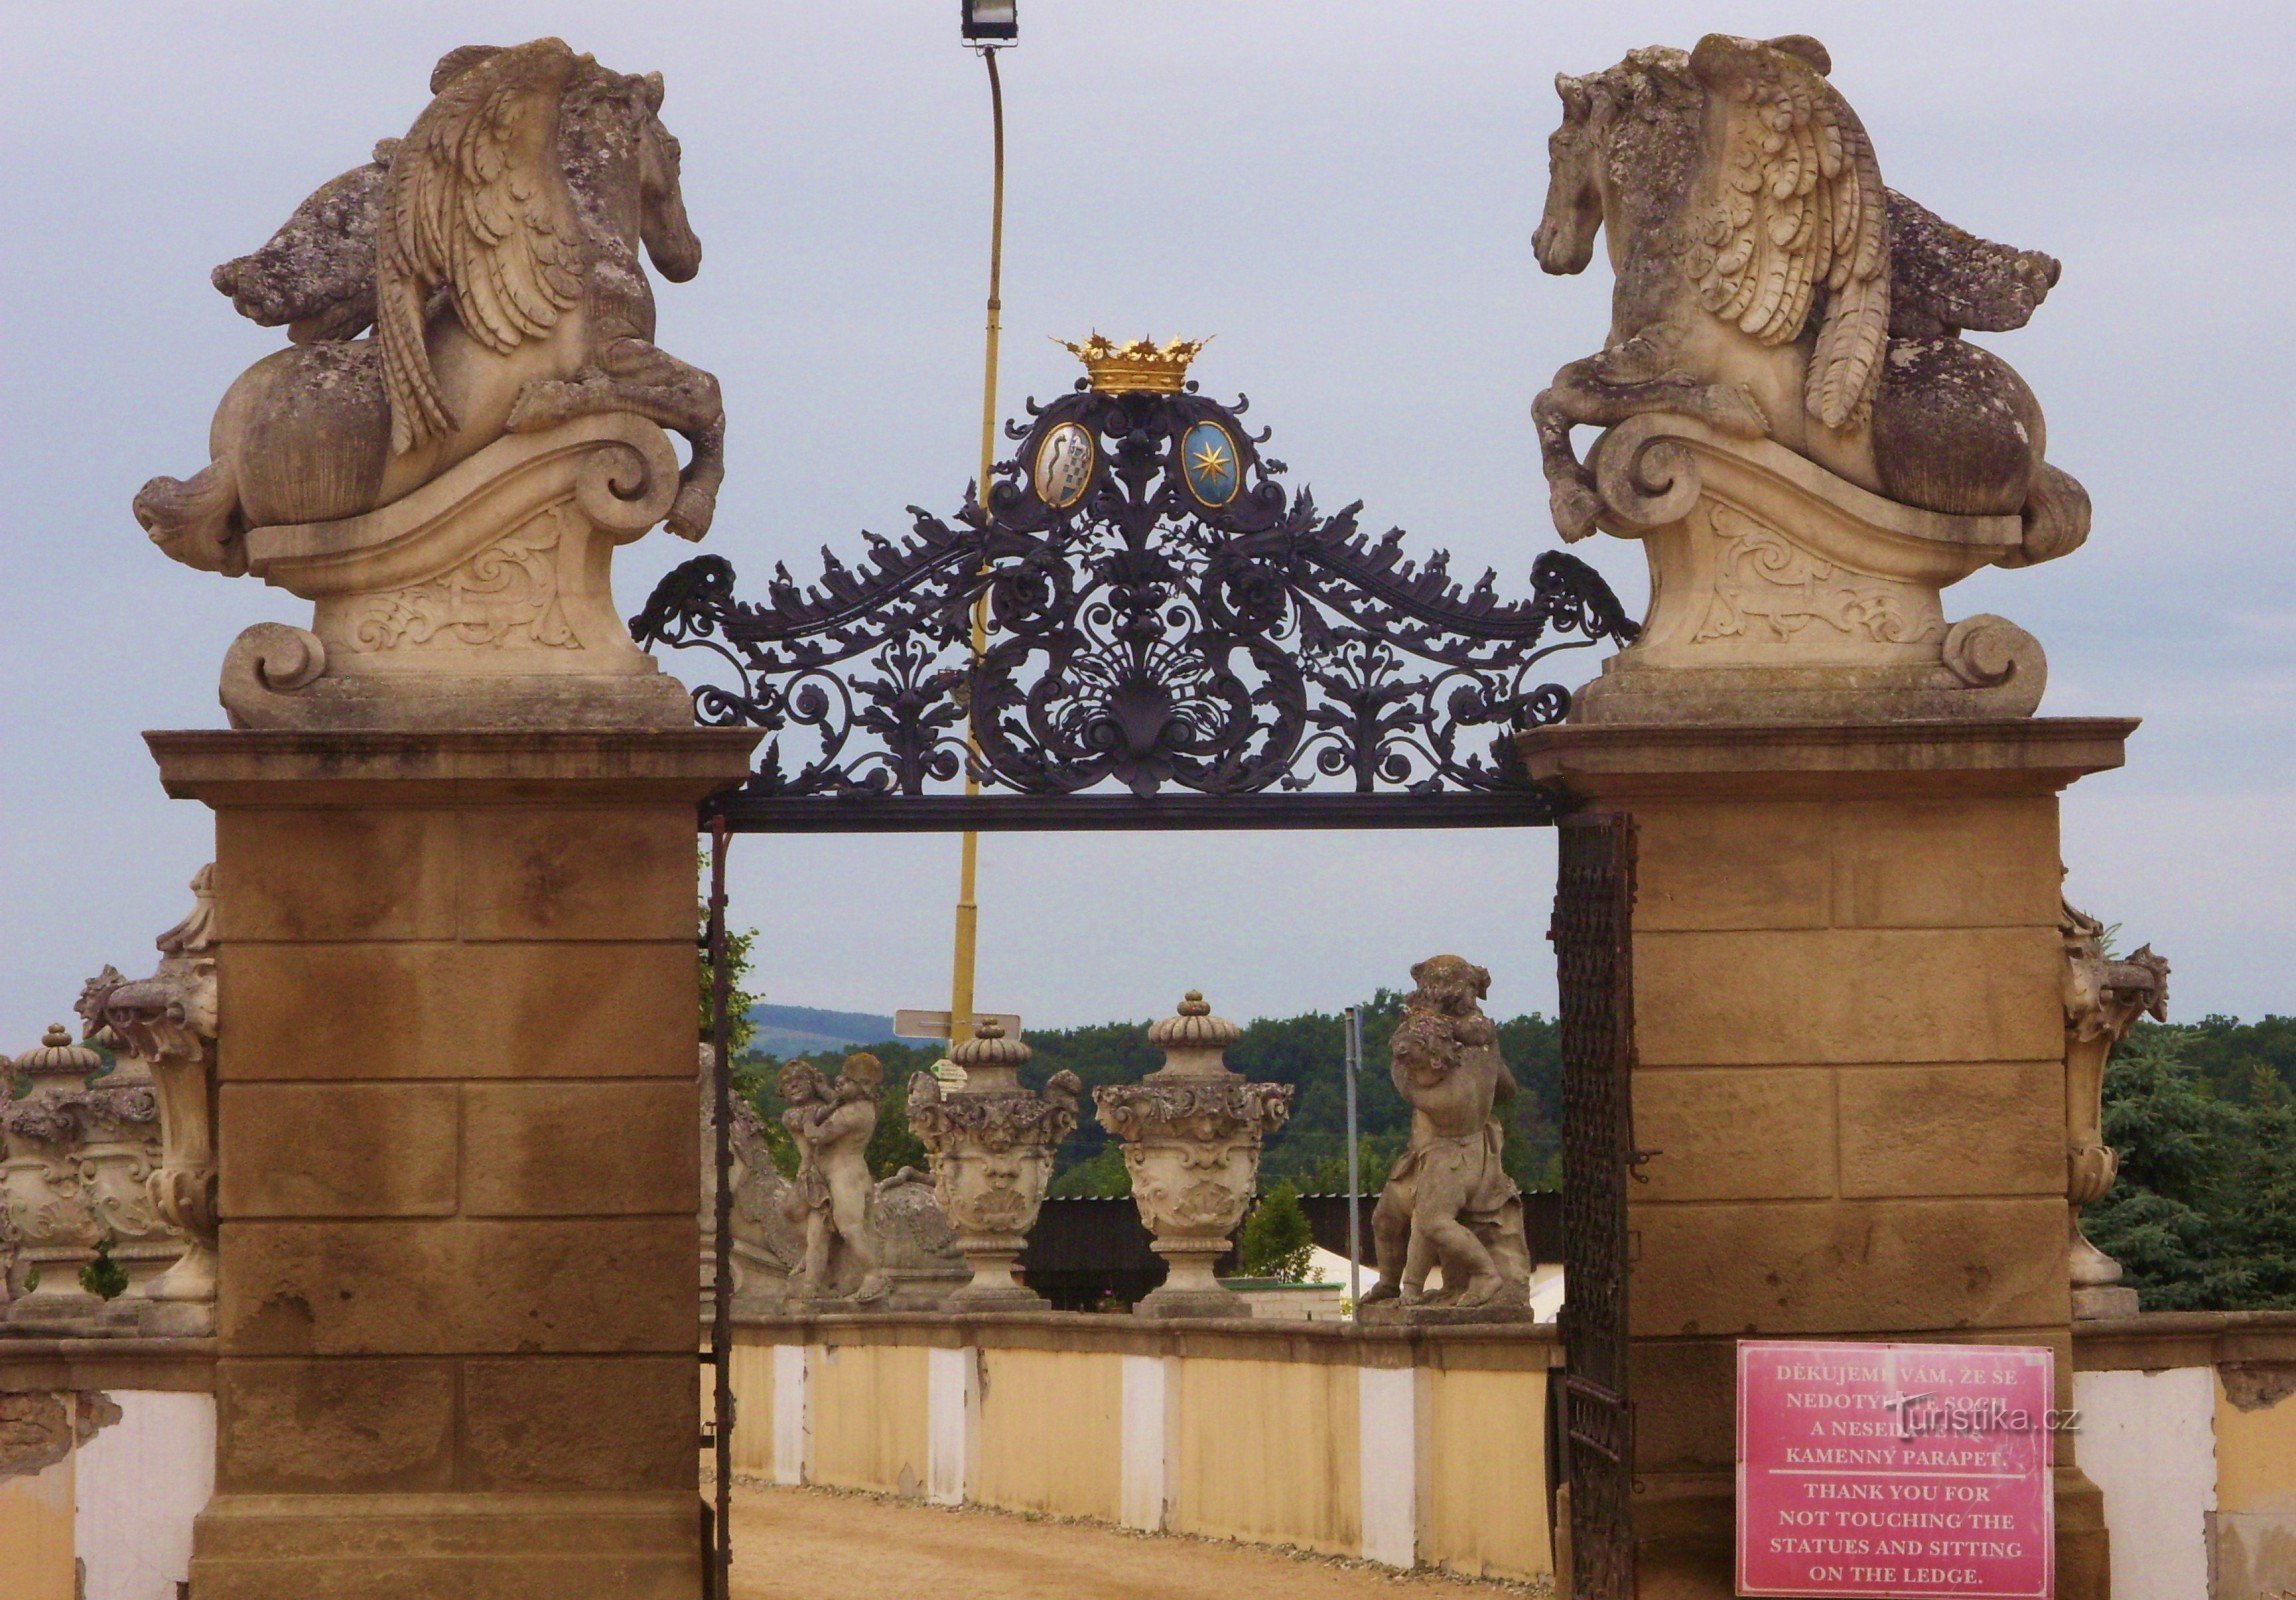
992 1143
73 1151
1191 1132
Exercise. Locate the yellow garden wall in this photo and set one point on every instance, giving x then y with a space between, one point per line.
1484 1481
1050 1435
1267 1452
868 1416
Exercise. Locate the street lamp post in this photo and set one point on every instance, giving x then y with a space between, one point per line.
988 26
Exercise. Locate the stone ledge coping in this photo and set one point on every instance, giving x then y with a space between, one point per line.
1880 759
2152 1341
184 1366
268 766
1527 1346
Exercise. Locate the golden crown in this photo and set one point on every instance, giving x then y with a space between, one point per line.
1141 367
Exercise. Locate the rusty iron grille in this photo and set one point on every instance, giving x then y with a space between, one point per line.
1173 639
1592 933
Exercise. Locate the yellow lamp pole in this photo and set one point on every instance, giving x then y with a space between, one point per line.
968 868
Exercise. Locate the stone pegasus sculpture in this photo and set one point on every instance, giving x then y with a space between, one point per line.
1797 432
1771 286
495 250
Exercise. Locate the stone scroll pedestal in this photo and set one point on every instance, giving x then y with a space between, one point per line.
456 1160
1851 1062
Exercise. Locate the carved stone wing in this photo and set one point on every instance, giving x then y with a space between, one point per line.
1943 278
1797 205
476 205
317 273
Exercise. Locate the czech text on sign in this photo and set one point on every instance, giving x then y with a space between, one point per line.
1896 1469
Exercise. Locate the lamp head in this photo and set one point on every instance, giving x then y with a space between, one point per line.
991 22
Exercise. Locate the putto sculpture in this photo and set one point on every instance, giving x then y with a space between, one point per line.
1449 1203
1799 431
831 1126
1192 1132
448 489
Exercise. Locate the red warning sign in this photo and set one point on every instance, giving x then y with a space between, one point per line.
1896 1470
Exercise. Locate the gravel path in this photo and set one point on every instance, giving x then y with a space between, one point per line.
817 1544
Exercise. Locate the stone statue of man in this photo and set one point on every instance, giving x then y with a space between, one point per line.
831 1126
1449 1201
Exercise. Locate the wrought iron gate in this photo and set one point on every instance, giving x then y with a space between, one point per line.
1593 937
1174 640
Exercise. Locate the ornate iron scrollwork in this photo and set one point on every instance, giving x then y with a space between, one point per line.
1161 614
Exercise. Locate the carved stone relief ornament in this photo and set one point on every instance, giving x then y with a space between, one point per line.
2104 997
768 1229
449 491
1191 1132
1799 436
992 1143
166 1025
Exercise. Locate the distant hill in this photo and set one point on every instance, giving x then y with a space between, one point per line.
804 1030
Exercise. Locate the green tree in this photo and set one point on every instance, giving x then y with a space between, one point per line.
103 1277
739 951
2203 1216
1104 1176
1277 1242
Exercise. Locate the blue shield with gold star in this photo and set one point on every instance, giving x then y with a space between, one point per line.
1209 463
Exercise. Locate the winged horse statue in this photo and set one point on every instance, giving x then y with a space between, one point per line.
495 250
1769 285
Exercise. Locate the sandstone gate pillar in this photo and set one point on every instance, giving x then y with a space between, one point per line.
1850 1033
456 1160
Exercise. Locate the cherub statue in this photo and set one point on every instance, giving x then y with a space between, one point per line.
1770 286
831 1128
495 250
1449 1202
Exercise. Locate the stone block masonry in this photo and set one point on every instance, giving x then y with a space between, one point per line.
1850 1070
456 1165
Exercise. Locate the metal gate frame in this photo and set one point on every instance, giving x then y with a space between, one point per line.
1173 622
1593 934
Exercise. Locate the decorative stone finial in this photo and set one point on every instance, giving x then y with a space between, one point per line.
988 1047
1194 1028
57 1056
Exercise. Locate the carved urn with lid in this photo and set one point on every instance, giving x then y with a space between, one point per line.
78 1151
1192 1132
992 1143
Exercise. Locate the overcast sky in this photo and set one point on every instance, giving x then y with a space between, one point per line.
1344 194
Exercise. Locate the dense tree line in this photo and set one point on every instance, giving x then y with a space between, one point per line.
2203 1217
2203 1115
1307 1052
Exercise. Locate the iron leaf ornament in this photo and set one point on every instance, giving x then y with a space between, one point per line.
1161 614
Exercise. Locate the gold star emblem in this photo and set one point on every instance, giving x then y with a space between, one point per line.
1213 461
